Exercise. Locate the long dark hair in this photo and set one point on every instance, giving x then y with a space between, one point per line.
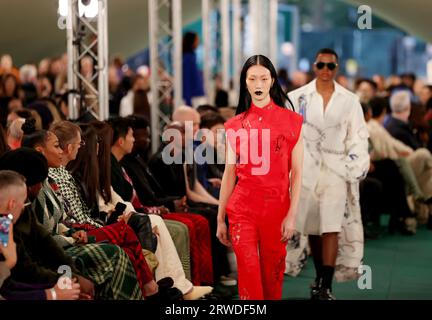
3 142
85 167
277 94
104 138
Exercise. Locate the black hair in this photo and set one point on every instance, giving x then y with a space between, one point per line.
365 107
189 41
138 121
33 137
85 168
120 128
276 92
327 51
205 108
378 105
372 83
210 119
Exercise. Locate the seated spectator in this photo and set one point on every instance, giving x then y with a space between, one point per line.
397 124
15 134
34 275
150 193
210 173
8 253
107 265
415 165
77 213
175 182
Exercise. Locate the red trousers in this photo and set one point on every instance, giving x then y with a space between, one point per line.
200 246
255 230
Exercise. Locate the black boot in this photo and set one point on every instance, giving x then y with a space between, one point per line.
315 288
325 292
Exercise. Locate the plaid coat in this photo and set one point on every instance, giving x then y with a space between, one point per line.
107 265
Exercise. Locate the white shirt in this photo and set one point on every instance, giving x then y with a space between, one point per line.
336 139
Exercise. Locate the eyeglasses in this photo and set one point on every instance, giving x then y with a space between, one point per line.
330 65
27 204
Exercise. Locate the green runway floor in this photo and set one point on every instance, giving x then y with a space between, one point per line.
401 269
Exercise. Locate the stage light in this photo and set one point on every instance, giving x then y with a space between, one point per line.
63 8
287 49
87 8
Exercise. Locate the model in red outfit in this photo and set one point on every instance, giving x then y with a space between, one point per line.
262 206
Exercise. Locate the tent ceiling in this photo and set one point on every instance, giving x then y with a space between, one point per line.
29 28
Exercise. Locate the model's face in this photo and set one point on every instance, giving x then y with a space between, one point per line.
326 67
259 82
52 151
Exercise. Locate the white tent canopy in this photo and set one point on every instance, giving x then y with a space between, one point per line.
29 28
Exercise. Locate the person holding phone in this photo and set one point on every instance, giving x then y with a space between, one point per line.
10 257
13 194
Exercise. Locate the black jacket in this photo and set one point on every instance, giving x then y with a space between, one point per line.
402 131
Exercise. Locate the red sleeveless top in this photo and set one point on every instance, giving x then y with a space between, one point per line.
263 140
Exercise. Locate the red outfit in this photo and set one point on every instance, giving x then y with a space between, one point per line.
260 200
200 246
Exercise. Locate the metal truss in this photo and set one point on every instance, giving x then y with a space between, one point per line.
87 37
165 29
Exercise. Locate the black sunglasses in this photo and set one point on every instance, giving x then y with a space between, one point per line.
330 65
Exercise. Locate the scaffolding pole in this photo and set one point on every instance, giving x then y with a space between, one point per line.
273 34
164 87
103 60
225 30
237 44
255 25
87 37
207 44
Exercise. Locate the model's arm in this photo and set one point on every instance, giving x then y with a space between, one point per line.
227 187
288 225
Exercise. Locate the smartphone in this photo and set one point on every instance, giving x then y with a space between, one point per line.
5 222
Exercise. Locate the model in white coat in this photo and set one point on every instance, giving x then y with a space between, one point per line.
335 159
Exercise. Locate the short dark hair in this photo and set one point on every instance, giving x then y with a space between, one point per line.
120 128
205 108
327 51
369 81
378 105
210 119
138 121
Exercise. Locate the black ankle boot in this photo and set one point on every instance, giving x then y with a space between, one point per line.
315 289
326 294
